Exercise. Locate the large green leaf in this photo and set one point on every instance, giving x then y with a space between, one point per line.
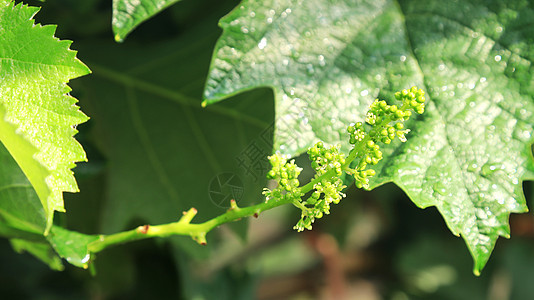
37 115
327 60
128 14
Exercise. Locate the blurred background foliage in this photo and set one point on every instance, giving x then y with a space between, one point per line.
374 245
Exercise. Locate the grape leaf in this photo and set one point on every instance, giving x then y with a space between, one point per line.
128 14
327 60
41 250
22 217
26 216
71 245
37 115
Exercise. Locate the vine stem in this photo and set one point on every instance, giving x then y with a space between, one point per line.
198 231
183 226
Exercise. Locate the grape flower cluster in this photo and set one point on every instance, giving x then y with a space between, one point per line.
286 174
383 123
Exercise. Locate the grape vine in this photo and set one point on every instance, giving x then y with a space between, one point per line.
383 123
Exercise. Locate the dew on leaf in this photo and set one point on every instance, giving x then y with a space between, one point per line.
483 239
481 213
522 132
285 13
472 167
263 43
440 188
490 168
321 60
497 58
364 93
86 258
309 68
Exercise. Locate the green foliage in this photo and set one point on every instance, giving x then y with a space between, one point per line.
154 152
470 153
37 116
128 14
72 246
329 163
